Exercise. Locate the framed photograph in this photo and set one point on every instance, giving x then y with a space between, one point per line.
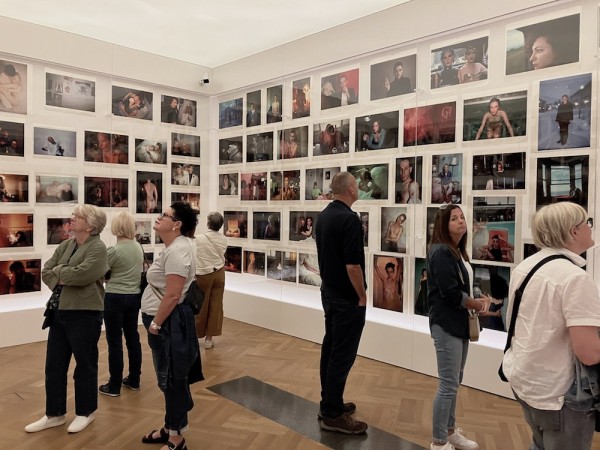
308 269
56 189
149 192
494 229
409 180
266 225
388 281
12 139
364 220
285 185
463 62
185 145
293 143
230 113
446 178
492 280
372 180
421 302
69 92
331 137
340 89
259 147
393 223
394 77
254 262
529 249
106 192
54 142
377 131
13 87
106 147
499 171
20 275
499 116
150 151
14 188
431 213
318 183
179 111
132 103
58 230
188 197
16 230
143 231
542 45
253 186
185 174
562 179
235 224
148 260
233 259
274 106
228 183
302 225
434 124
301 98
282 265
253 109
565 112
231 150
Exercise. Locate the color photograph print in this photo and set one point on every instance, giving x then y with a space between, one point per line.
393 229
562 179
435 124
293 143
421 302
230 150
377 131
340 89
285 185
143 231
494 229
301 98
106 192
460 63
13 87
230 113
542 45
132 103
228 183
180 111
394 77
318 183
302 225
274 100
388 279
266 225
233 259
16 230
499 116
58 230
68 92
259 147
372 181
149 188
431 213
254 262
188 197
565 112
235 224
185 145
253 109
493 281
331 137
446 178
364 220
14 188
20 275
106 148
150 151
12 139
308 269
281 265
54 142
529 249
409 180
56 189
185 174
253 186
499 171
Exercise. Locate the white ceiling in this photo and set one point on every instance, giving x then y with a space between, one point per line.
205 32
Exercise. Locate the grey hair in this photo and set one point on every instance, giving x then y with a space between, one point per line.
94 216
215 221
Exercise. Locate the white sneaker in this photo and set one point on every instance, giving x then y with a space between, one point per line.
446 446
209 344
45 422
460 442
80 423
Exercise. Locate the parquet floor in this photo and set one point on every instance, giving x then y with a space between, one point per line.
395 400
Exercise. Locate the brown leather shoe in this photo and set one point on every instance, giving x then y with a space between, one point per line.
349 408
343 424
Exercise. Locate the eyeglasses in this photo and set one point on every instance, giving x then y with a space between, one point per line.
161 216
589 222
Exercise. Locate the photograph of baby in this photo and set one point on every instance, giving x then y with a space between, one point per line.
302 225
185 145
562 179
231 150
253 109
58 230
274 99
433 124
499 171
254 262
308 269
301 98
494 229
14 188
266 225
492 280
499 116
188 197
150 151
331 137
132 103
318 183
106 147
106 192
565 112
293 143
259 147
13 87
409 180
12 139
388 280
230 113
228 183
54 142
16 230
446 178
18 276
421 302
377 131
235 224
340 89
253 186
149 192
233 259
393 225
143 231
179 111
63 91
56 189
281 265
285 185
459 63
394 77
542 45
185 174
372 181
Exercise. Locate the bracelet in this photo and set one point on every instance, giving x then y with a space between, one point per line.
154 325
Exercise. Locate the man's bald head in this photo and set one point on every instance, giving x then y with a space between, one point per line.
341 182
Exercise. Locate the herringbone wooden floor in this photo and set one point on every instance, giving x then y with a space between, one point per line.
392 399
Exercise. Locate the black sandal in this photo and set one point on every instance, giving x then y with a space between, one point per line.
181 445
150 439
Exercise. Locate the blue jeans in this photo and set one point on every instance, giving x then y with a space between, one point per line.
344 323
451 353
73 333
121 313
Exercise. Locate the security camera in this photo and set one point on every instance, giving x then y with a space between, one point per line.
204 79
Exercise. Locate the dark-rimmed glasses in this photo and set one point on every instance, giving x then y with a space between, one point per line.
162 215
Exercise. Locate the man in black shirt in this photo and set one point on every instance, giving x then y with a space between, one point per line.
341 254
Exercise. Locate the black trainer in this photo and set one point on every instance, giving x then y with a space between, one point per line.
105 389
132 386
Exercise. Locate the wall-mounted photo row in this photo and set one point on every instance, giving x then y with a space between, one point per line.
421 302
364 220
308 269
70 92
185 174
58 229
149 188
106 148
393 224
16 230
499 171
150 151
189 197
394 77
180 111
230 113
106 192
302 225
253 108
285 185
340 89
494 229
318 183
331 137
14 188
301 98
253 186
132 103
228 183
542 45
231 150
266 225
13 87
565 112
259 147
274 99
54 142
185 145
372 180
143 231
562 179
281 265
446 178
377 131
493 281
20 275
12 139
409 180
494 117
235 224
56 189
233 259
388 281
293 143
254 262
463 62
433 124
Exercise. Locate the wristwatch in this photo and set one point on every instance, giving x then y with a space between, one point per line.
154 325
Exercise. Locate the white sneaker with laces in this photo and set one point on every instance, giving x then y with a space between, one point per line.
44 423
80 423
446 446
460 442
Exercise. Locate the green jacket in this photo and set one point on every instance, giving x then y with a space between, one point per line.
82 274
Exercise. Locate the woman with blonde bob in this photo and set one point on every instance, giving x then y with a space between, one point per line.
558 320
